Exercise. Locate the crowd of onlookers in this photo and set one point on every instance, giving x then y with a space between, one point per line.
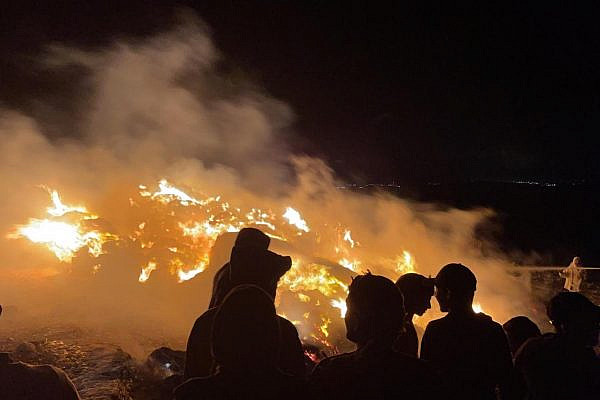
241 349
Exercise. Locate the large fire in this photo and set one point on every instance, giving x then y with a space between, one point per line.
177 230
68 230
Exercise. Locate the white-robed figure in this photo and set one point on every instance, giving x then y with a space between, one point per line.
574 275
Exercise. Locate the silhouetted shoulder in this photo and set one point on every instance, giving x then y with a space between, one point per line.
385 376
328 377
475 321
291 355
23 381
470 352
331 370
233 387
437 324
286 325
205 320
333 362
198 358
541 350
486 320
434 323
537 343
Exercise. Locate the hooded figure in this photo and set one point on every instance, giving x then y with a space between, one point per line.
245 345
574 275
251 263
248 241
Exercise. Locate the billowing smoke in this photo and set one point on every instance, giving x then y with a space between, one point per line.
161 108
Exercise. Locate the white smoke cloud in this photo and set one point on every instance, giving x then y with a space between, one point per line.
160 108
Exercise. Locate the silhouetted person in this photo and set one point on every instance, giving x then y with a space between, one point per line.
245 345
417 291
20 381
470 350
519 330
251 238
374 371
250 263
564 365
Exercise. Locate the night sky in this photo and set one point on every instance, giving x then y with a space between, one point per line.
422 93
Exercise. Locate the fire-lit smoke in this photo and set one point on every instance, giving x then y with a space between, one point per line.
171 154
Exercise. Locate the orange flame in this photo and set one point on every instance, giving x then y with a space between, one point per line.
179 228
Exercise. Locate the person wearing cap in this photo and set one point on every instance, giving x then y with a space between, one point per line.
563 365
469 349
374 371
250 263
21 381
245 346
417 291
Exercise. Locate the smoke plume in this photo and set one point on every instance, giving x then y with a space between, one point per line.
162 108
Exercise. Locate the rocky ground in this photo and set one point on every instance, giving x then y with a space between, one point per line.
100 370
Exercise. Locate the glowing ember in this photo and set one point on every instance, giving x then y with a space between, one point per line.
405 263
303 298
348 238
168 193
187 275
324 326
61 209
295 219
146 271
341 304
308 277
351 265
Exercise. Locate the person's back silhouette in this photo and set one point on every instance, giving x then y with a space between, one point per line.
373 319
563 365
251 263
469 349
417 291
245 345
518 330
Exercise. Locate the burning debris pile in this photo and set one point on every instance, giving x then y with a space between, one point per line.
169 158
175 231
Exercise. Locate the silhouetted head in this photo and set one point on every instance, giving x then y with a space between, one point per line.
575 316
249 239
251 263
375 309
417 291
455 286
519 330
245 332
252 237
257 267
